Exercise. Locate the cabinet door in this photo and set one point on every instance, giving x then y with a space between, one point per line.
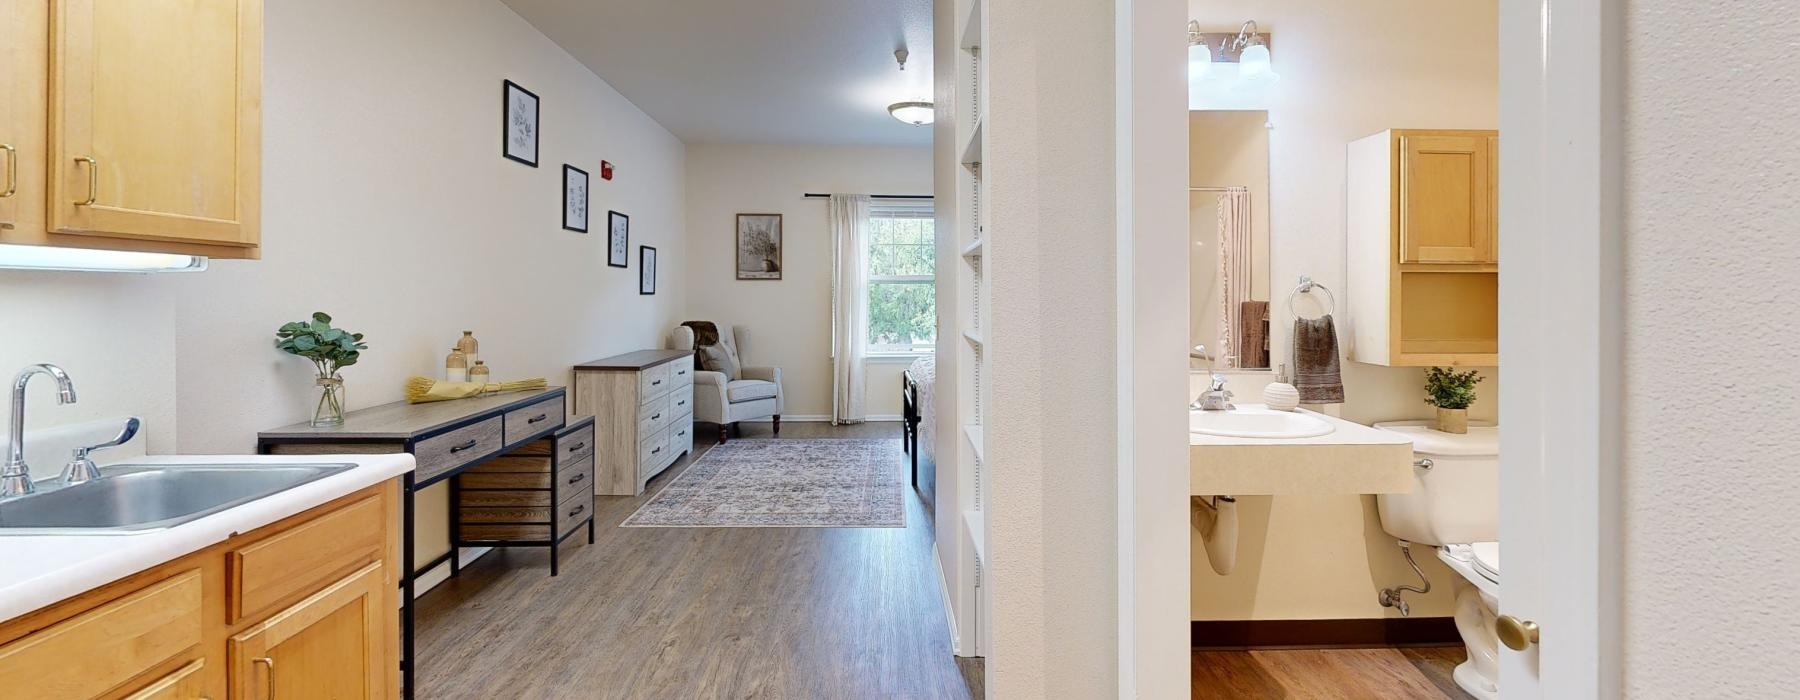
334 644
24 60
1446 199
155 120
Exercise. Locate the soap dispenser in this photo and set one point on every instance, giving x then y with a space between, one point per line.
1279 394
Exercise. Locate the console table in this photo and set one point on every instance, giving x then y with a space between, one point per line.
448 438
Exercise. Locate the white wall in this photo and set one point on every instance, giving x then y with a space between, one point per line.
790 318
1712 154
387 204
1325 557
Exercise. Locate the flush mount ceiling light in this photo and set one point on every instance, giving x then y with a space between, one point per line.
914 112
33 257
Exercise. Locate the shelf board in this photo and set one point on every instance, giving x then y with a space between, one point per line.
971 154
976 521
973 338
972 250
974 434
971 35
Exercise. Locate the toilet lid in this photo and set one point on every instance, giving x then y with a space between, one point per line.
1487 559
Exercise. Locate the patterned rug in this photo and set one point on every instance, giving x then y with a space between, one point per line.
784 483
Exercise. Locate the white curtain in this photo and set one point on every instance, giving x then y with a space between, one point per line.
1234 270
849 305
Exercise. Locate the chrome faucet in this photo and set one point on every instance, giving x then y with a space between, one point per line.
1216 397
15 477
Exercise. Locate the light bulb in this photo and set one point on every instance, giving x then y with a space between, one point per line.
1253 65
1199 60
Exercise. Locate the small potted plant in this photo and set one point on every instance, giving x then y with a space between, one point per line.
329 349
1451 392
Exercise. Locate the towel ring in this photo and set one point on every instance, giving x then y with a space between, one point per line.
1307 285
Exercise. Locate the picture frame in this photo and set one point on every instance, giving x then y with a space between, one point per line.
575 199
518 123
646 270
618 239
759 242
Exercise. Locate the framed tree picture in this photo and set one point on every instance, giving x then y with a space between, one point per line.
646 270
575 199
759 246
618 239
519 124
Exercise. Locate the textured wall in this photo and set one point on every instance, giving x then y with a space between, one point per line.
1712 151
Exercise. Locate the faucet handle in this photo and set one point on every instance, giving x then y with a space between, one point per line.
80 468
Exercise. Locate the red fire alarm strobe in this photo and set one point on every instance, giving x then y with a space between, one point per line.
605 170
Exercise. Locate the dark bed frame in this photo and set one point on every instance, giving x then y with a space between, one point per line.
909 421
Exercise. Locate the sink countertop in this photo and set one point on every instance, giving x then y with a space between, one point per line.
1353 458
40 570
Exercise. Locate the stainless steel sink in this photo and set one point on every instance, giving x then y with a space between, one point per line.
132 499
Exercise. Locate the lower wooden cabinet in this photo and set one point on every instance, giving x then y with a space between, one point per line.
307 607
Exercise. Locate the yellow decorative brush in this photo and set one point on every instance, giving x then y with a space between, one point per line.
426 389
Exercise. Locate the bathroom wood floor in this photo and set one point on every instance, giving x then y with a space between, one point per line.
701 612
1421 673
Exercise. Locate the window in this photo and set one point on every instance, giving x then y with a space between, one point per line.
902 279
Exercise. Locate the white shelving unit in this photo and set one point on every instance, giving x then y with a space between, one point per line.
972 595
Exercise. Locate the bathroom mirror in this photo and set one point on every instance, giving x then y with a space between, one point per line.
1228 236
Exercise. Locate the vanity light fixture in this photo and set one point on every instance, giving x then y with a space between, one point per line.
1243 54
914 112
1253 56
37 257
1199 52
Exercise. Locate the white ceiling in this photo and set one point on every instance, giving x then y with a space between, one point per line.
754 71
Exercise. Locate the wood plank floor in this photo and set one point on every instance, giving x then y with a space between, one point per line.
701 612
1350 674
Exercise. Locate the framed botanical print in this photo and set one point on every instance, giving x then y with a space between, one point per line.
646 270
618 239
575 199
759 246
519 124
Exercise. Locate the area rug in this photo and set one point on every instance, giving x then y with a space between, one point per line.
784 483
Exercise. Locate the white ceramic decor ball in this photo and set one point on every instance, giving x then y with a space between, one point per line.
1281 396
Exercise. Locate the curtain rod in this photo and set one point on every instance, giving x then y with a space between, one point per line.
815 195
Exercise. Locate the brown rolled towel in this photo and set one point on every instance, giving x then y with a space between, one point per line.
1253 334
1316 361
705 333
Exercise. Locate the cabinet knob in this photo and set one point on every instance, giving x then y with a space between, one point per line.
1516 634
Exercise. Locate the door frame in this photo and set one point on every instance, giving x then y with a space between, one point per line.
1561 320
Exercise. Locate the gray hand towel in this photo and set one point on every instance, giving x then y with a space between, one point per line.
1316 361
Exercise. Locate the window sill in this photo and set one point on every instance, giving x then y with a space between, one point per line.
895 358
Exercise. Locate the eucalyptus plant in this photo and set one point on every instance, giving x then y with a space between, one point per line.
329 349
1447 388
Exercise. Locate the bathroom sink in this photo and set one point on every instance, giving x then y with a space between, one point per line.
1257 422
133 499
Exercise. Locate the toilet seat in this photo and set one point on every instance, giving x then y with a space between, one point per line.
1486 560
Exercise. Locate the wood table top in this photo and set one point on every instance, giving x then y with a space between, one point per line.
404 421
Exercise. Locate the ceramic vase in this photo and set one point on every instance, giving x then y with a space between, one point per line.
456 366
1281 396
1453 420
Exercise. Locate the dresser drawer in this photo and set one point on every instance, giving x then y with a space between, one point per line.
533 419
268 573
681 438
655 381
574 445
88 654
681 372
576 476
681 402
653 416
651 452
437 455
576 508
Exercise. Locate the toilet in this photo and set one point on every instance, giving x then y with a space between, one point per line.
1454 507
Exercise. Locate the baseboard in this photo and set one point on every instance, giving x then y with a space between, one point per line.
937 562
805 418
1324 634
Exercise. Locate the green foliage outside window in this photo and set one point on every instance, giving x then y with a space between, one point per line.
902 288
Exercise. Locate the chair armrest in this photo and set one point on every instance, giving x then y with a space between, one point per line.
767 374
712 379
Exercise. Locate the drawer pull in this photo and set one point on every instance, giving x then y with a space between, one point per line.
656 417
682 373
577 478
266 661
682 402
656 383
539 417
577 446
656 451
577 510
464 446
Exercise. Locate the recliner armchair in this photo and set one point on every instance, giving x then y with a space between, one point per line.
755 394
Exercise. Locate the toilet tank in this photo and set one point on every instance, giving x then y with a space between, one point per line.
1457 500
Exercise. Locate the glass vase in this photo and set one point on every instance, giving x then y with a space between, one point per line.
330 411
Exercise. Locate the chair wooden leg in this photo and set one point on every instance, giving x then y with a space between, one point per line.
724 432
777 425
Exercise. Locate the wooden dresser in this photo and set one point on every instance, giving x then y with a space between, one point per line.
643 408
533 496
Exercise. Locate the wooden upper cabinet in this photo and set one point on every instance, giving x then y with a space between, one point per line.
333 644
155 124
24 61
1447 203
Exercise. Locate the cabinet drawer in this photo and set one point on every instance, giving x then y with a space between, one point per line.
681 438
575 509
651 453
653 416
681 402
571 447
681 372
576 477
277 570
96 651
536 418
654 381
437 455
184 683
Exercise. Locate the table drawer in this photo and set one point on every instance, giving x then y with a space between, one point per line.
573 446
88 654
268 573
655 381
446 452
576 508
533 419
578 476
654 415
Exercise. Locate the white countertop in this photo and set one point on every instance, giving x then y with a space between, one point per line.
1351 459
39 570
